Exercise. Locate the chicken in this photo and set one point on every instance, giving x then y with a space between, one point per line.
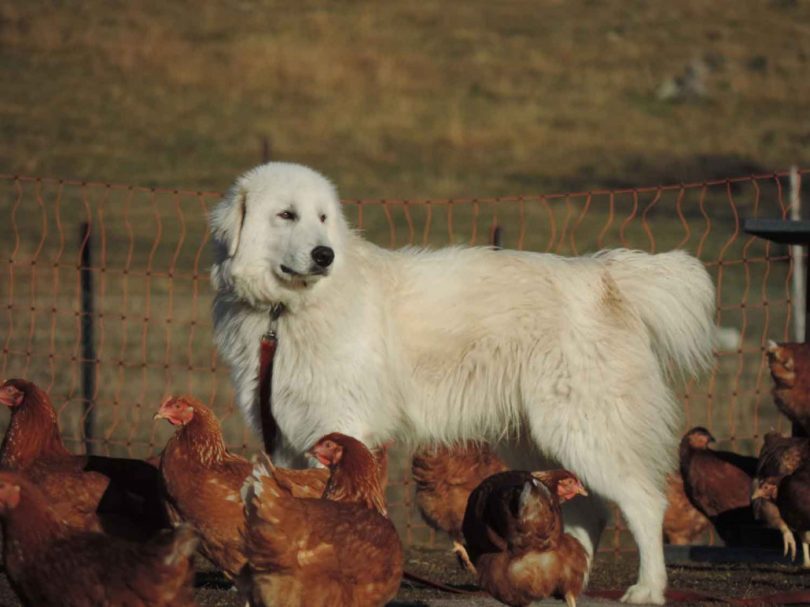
718 484
123 497
445 477
50 564
492 505
318 551
347 459
778 457
203 480
791 495
790 369
683 523
534 558
782 455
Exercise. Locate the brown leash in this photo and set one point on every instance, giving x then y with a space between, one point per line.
267 352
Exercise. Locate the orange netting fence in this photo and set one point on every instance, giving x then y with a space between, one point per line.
144 256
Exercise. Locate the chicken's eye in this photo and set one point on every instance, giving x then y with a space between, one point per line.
288 215
322 218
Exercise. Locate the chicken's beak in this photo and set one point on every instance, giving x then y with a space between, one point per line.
581 489
315 452
159 415
759 493
10 396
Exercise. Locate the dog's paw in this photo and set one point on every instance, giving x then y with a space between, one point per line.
639 594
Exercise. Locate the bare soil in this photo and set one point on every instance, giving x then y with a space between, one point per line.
611 573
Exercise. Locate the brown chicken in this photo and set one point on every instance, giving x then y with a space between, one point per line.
320 552
346 459
445 477
492 506
683 523
718 484
50 564
791 495
790 370
779 457
124 497
203 481
534 558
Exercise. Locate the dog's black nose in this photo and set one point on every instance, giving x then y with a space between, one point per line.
323 256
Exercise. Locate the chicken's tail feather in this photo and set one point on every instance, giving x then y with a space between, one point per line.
260 484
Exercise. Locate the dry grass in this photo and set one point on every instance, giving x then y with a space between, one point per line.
409 100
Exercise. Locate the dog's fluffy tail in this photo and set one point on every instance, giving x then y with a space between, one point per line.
674 296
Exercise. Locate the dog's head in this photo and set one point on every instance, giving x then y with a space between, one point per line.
278 230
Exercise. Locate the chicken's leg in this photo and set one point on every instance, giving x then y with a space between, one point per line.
789 542
570 599
464 558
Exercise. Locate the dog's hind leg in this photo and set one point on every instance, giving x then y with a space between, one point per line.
644 512
609 469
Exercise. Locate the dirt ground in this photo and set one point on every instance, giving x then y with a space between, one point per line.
736 580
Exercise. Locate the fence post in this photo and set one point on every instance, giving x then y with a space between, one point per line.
264 142
497 237
88 361
799 295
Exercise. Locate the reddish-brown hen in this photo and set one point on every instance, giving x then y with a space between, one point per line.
445 477
492 507
790 370
203 480
50 564
319 552
779 457
346 460
718 484
123 497
683 523
791 495
534 558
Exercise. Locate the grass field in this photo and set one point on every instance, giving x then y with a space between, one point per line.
413 104
403 100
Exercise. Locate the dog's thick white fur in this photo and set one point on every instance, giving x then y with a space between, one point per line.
572 354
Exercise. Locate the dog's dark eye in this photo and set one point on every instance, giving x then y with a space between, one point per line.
323 218
288 215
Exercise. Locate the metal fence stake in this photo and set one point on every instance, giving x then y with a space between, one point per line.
88 361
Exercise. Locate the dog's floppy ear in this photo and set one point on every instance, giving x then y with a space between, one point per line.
228 217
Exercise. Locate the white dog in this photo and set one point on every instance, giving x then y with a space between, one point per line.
572 354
